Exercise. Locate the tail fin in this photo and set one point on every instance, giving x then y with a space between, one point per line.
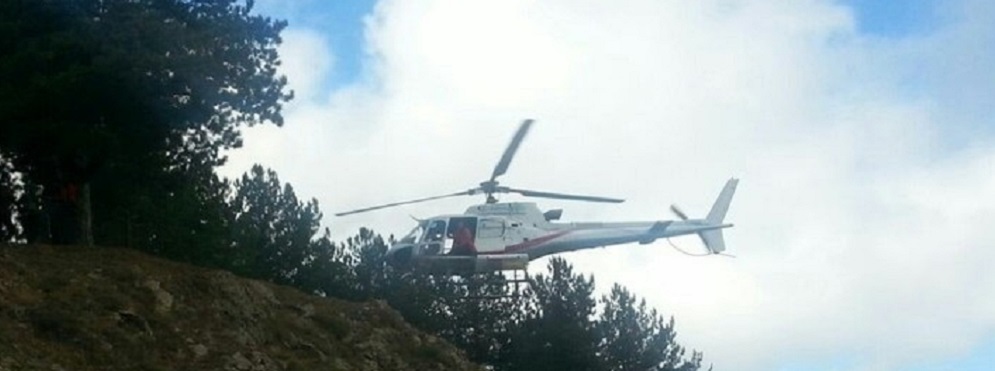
721 205
713 238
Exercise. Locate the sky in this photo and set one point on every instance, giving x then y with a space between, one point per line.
862 132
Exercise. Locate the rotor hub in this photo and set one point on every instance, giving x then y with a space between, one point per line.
489 186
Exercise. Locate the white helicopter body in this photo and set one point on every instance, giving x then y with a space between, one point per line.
507 235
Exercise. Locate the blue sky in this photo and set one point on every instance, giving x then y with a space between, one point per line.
341 22
902 18
981 357
861 130
911 19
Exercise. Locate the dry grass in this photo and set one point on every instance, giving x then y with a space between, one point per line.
105 308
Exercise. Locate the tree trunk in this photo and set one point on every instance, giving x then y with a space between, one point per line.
85 217
66 214
62 218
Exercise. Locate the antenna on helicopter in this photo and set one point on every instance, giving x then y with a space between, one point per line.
491 186
677 211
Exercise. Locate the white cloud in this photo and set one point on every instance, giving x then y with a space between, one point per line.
860 233
309 65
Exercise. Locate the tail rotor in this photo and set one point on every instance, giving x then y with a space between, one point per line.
711 233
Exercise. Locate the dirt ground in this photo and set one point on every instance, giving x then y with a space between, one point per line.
73 308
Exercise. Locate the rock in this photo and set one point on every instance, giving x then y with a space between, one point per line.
131 320
239 362
163 299
199 350
307 310
207 320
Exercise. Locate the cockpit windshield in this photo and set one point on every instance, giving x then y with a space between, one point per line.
413 236
436 231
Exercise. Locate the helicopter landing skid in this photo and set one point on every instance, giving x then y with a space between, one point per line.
481 265
471 264
488 286
513 286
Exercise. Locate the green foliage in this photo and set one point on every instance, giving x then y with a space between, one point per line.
441 305
422 300
368 251
552 326
9 189
182 216
33 221
481 322
329 272
114 93
271 230
633 337
120 110
557 332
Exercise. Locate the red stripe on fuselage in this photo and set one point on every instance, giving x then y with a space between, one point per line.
533 242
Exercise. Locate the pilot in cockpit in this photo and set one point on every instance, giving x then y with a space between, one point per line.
434 236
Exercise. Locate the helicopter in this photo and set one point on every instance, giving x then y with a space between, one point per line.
506 236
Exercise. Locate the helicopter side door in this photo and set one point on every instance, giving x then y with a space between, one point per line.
490 234
514 235
458 243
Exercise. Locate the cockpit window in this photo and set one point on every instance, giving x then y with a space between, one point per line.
412 236
436 231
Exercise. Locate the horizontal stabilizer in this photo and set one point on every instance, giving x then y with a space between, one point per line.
656 230
659 227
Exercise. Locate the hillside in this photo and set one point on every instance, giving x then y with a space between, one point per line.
71 308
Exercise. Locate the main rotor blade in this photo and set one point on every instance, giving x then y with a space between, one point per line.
564 196
464 193
509 152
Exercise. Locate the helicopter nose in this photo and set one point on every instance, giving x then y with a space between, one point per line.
399 256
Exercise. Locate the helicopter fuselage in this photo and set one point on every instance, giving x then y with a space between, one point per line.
507 236
499 236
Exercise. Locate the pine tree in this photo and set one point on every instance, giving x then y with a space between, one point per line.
182 216
9 189
483 311
557 332
552 326
271 230
633 337
329 272
101 97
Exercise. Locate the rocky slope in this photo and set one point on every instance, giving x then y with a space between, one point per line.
71 308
